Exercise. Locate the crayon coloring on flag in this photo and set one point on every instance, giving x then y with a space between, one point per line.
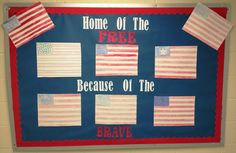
116 60
207 26
58 59
29 23
115 109
174 110
59 110
176 62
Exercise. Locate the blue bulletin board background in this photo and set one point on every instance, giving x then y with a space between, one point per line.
165 29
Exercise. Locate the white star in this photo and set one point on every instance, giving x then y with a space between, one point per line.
163 51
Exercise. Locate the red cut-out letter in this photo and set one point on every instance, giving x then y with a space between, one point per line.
131 37
102 35
122 38
112 36
99 132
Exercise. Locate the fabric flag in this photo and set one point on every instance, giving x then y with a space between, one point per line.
58 59
179 62
116 109
174 110
33 21
59 110
208 26
116 60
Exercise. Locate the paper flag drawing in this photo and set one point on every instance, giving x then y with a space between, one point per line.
208 26
176 62
58 59
174 110
116 109
28 24
116 60
59 110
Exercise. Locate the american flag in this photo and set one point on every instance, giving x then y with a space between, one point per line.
34 21
59 110
208 26
174 110
178 62
116 109
58 59
116 60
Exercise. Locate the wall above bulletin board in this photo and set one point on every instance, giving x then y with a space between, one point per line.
83 76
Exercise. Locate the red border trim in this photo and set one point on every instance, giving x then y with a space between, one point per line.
51 10
27 8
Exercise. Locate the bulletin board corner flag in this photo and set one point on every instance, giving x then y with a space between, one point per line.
208 26
27 24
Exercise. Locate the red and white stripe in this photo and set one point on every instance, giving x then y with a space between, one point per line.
63 61
65 111
212 29
180 112
120 60
119 109
34 21
180 64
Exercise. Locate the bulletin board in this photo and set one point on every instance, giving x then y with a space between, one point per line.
120 76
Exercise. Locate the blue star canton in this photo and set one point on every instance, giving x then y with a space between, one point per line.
202 11
101 49
103 100
45 99
44 48
162 51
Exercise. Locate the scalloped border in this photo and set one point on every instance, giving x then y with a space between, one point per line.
168 140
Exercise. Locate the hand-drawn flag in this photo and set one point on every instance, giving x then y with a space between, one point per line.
174 110
58 59
116 109
208 26
59 110
179 62
33 21
116 60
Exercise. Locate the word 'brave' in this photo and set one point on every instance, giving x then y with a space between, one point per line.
114 132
